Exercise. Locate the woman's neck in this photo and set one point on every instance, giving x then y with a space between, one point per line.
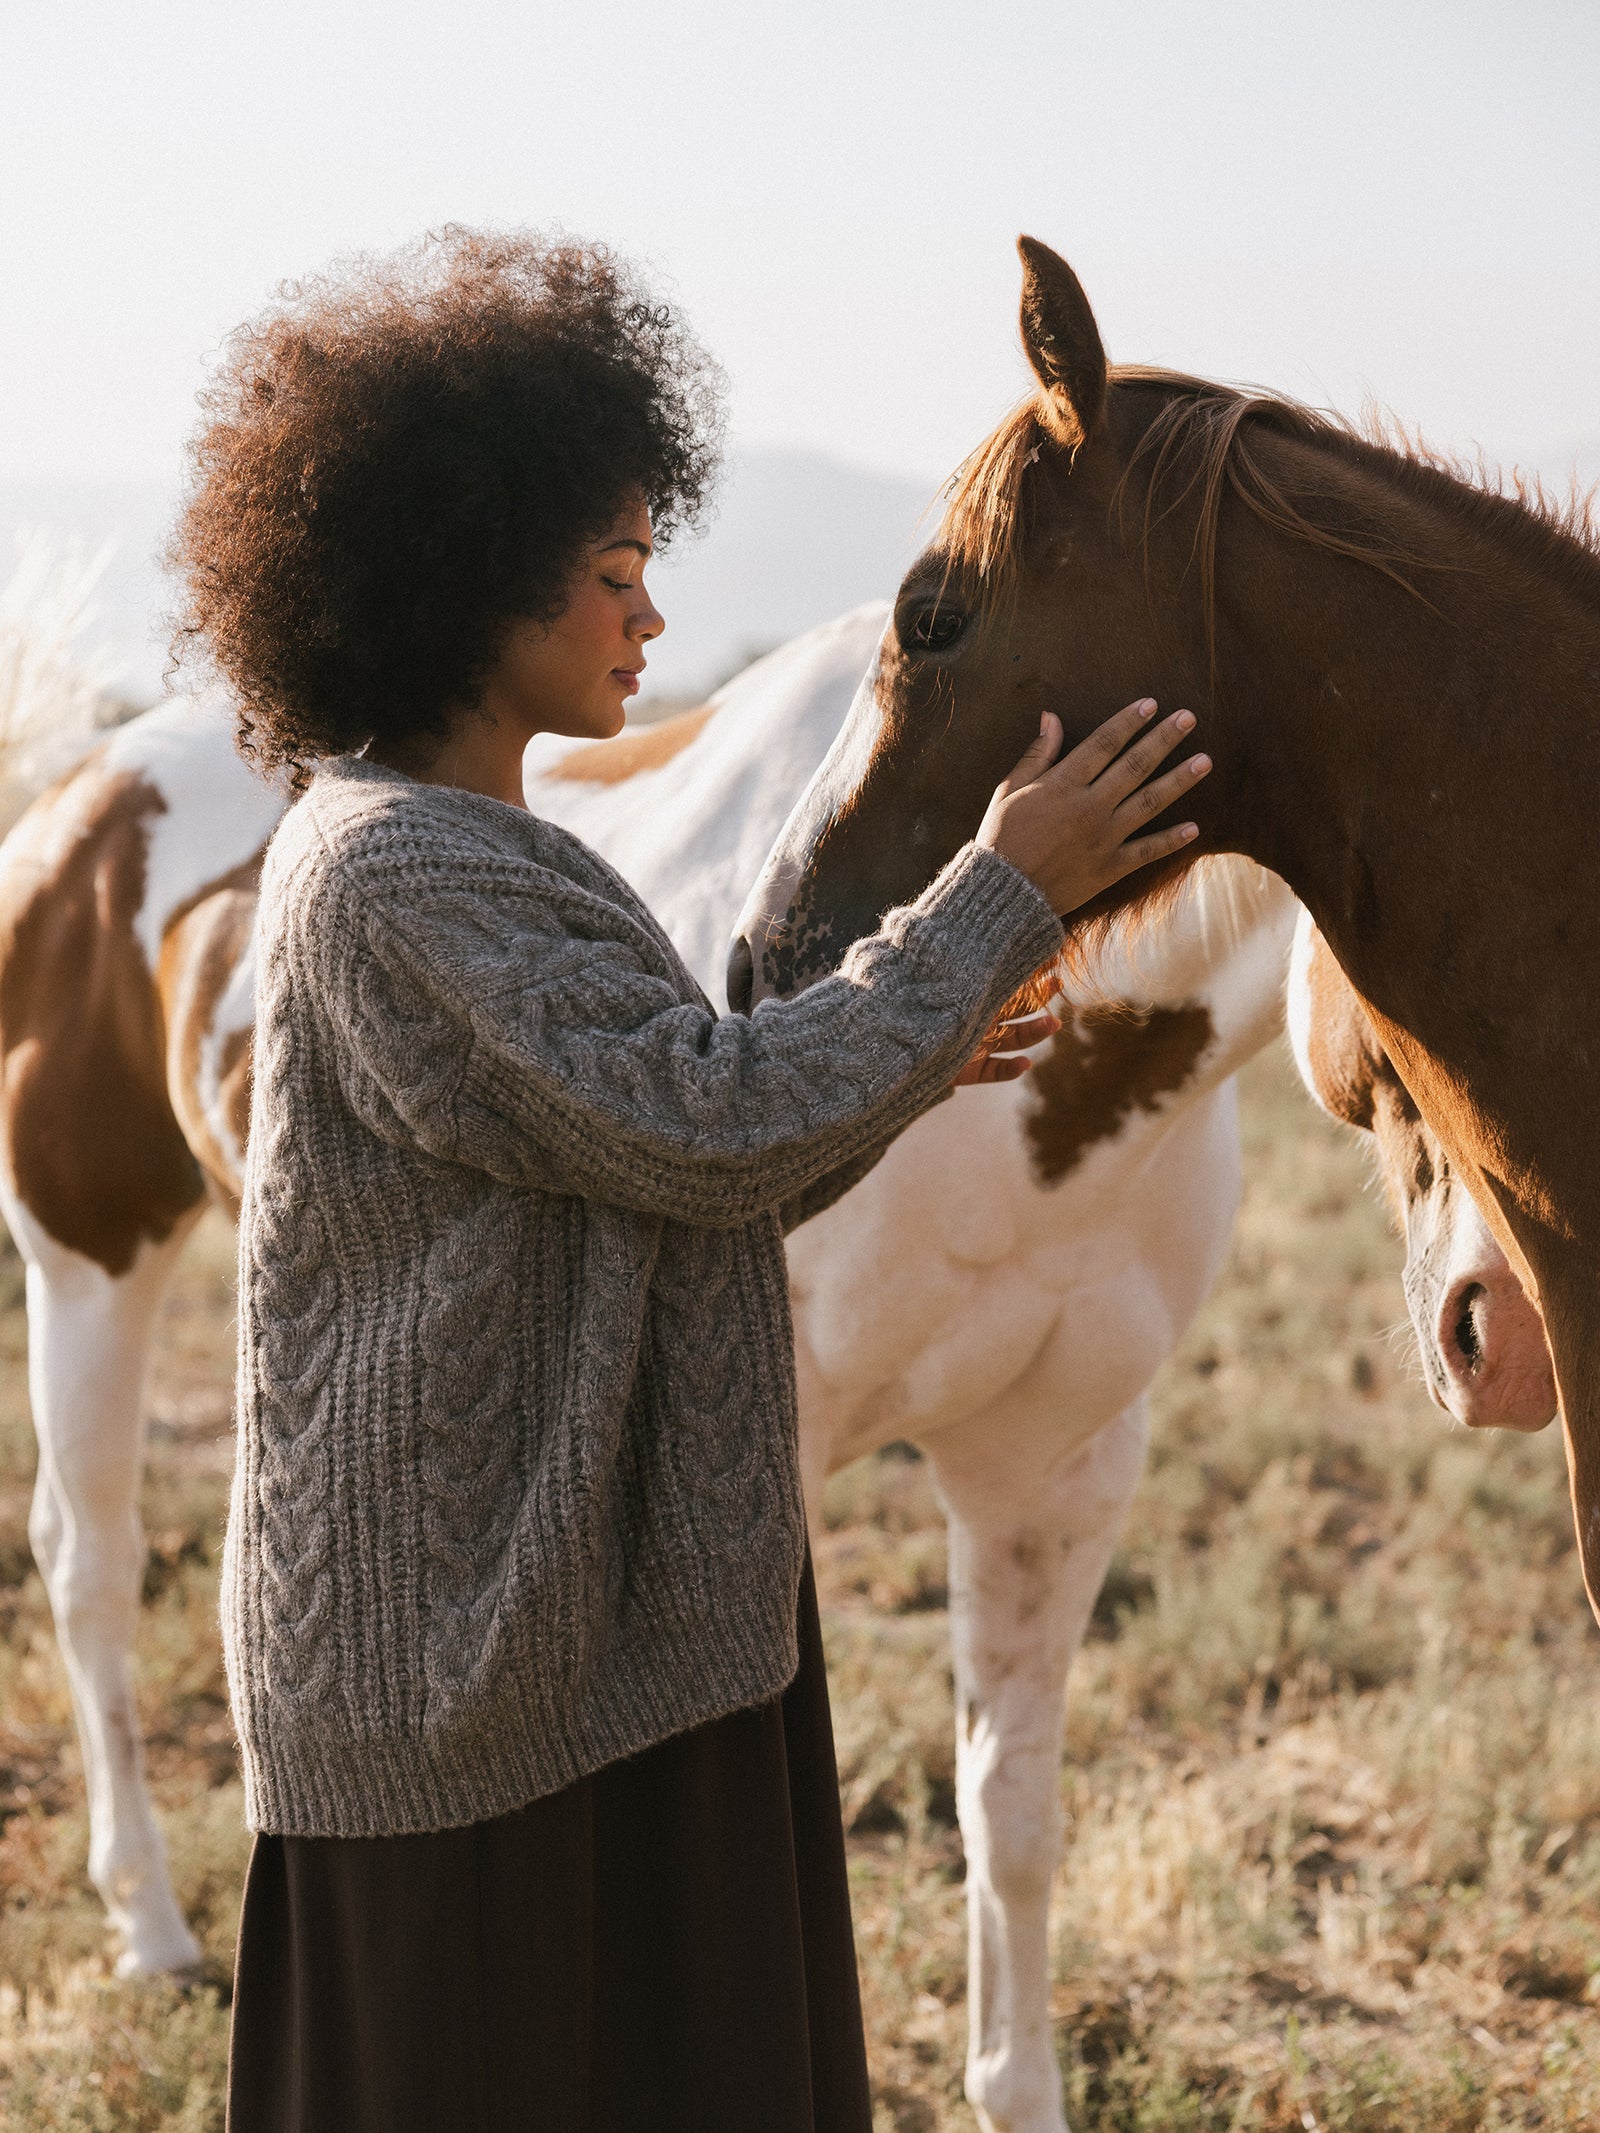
481 753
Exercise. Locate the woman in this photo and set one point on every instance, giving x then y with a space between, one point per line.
521 1633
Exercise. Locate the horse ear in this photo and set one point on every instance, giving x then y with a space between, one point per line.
1062 341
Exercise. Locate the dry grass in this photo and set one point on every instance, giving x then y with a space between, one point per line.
56 697
1333 1768
1333 1771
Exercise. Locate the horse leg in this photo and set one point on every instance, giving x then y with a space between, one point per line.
89 1336
1032 1530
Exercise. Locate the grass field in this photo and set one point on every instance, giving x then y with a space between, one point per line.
1333 1759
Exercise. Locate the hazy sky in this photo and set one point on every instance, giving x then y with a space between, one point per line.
1399 198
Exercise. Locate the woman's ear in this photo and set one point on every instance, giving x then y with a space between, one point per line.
1062 342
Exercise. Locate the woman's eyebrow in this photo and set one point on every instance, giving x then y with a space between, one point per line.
641 547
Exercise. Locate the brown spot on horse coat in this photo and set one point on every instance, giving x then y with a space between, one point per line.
643 748
200 952
1105 1064
97 1156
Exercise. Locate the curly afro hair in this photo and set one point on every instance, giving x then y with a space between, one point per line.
403 455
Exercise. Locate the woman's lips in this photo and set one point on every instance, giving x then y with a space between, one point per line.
629 678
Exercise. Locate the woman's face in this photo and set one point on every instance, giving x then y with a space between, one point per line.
575 675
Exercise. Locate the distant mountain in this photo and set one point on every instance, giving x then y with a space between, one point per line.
796 538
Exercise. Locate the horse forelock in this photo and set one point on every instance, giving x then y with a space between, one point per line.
984 523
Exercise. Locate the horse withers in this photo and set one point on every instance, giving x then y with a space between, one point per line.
1398 675
1480 1339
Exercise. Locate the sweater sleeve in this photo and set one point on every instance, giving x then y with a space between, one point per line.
531 1035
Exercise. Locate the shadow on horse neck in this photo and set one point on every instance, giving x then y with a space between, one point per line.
1398 674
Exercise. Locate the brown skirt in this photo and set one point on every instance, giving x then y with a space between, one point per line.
664 1945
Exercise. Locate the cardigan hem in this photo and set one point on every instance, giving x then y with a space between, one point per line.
314 1783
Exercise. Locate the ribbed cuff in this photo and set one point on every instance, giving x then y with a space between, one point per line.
998 909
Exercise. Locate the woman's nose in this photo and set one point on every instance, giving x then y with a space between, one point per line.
648 621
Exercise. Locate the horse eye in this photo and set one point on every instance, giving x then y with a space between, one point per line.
936 628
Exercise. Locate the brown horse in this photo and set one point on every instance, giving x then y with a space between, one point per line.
1398 673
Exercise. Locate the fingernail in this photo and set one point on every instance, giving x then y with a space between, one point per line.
1199 765
1188 829
1147 707
1044 720
1185 720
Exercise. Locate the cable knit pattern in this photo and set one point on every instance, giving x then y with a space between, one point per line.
472 1478
297 1290
517 1490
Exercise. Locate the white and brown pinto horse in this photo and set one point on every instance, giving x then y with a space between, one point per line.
1000 1290
1399 677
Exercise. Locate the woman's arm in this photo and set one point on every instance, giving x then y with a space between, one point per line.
577 1067
506 1017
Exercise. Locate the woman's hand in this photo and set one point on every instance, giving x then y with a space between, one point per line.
1070 826
998 1057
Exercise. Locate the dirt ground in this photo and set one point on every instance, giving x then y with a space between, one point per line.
1332 1771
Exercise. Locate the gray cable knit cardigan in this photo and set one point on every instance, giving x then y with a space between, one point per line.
517 1490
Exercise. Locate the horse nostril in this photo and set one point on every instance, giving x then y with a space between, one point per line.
741 975
1468 1342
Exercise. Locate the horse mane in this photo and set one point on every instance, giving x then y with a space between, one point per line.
1217 899
1202 439
1105 962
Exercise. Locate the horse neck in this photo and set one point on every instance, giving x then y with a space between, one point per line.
1424 774
1380 729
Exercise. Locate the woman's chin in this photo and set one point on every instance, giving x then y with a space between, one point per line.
608 712
594 722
